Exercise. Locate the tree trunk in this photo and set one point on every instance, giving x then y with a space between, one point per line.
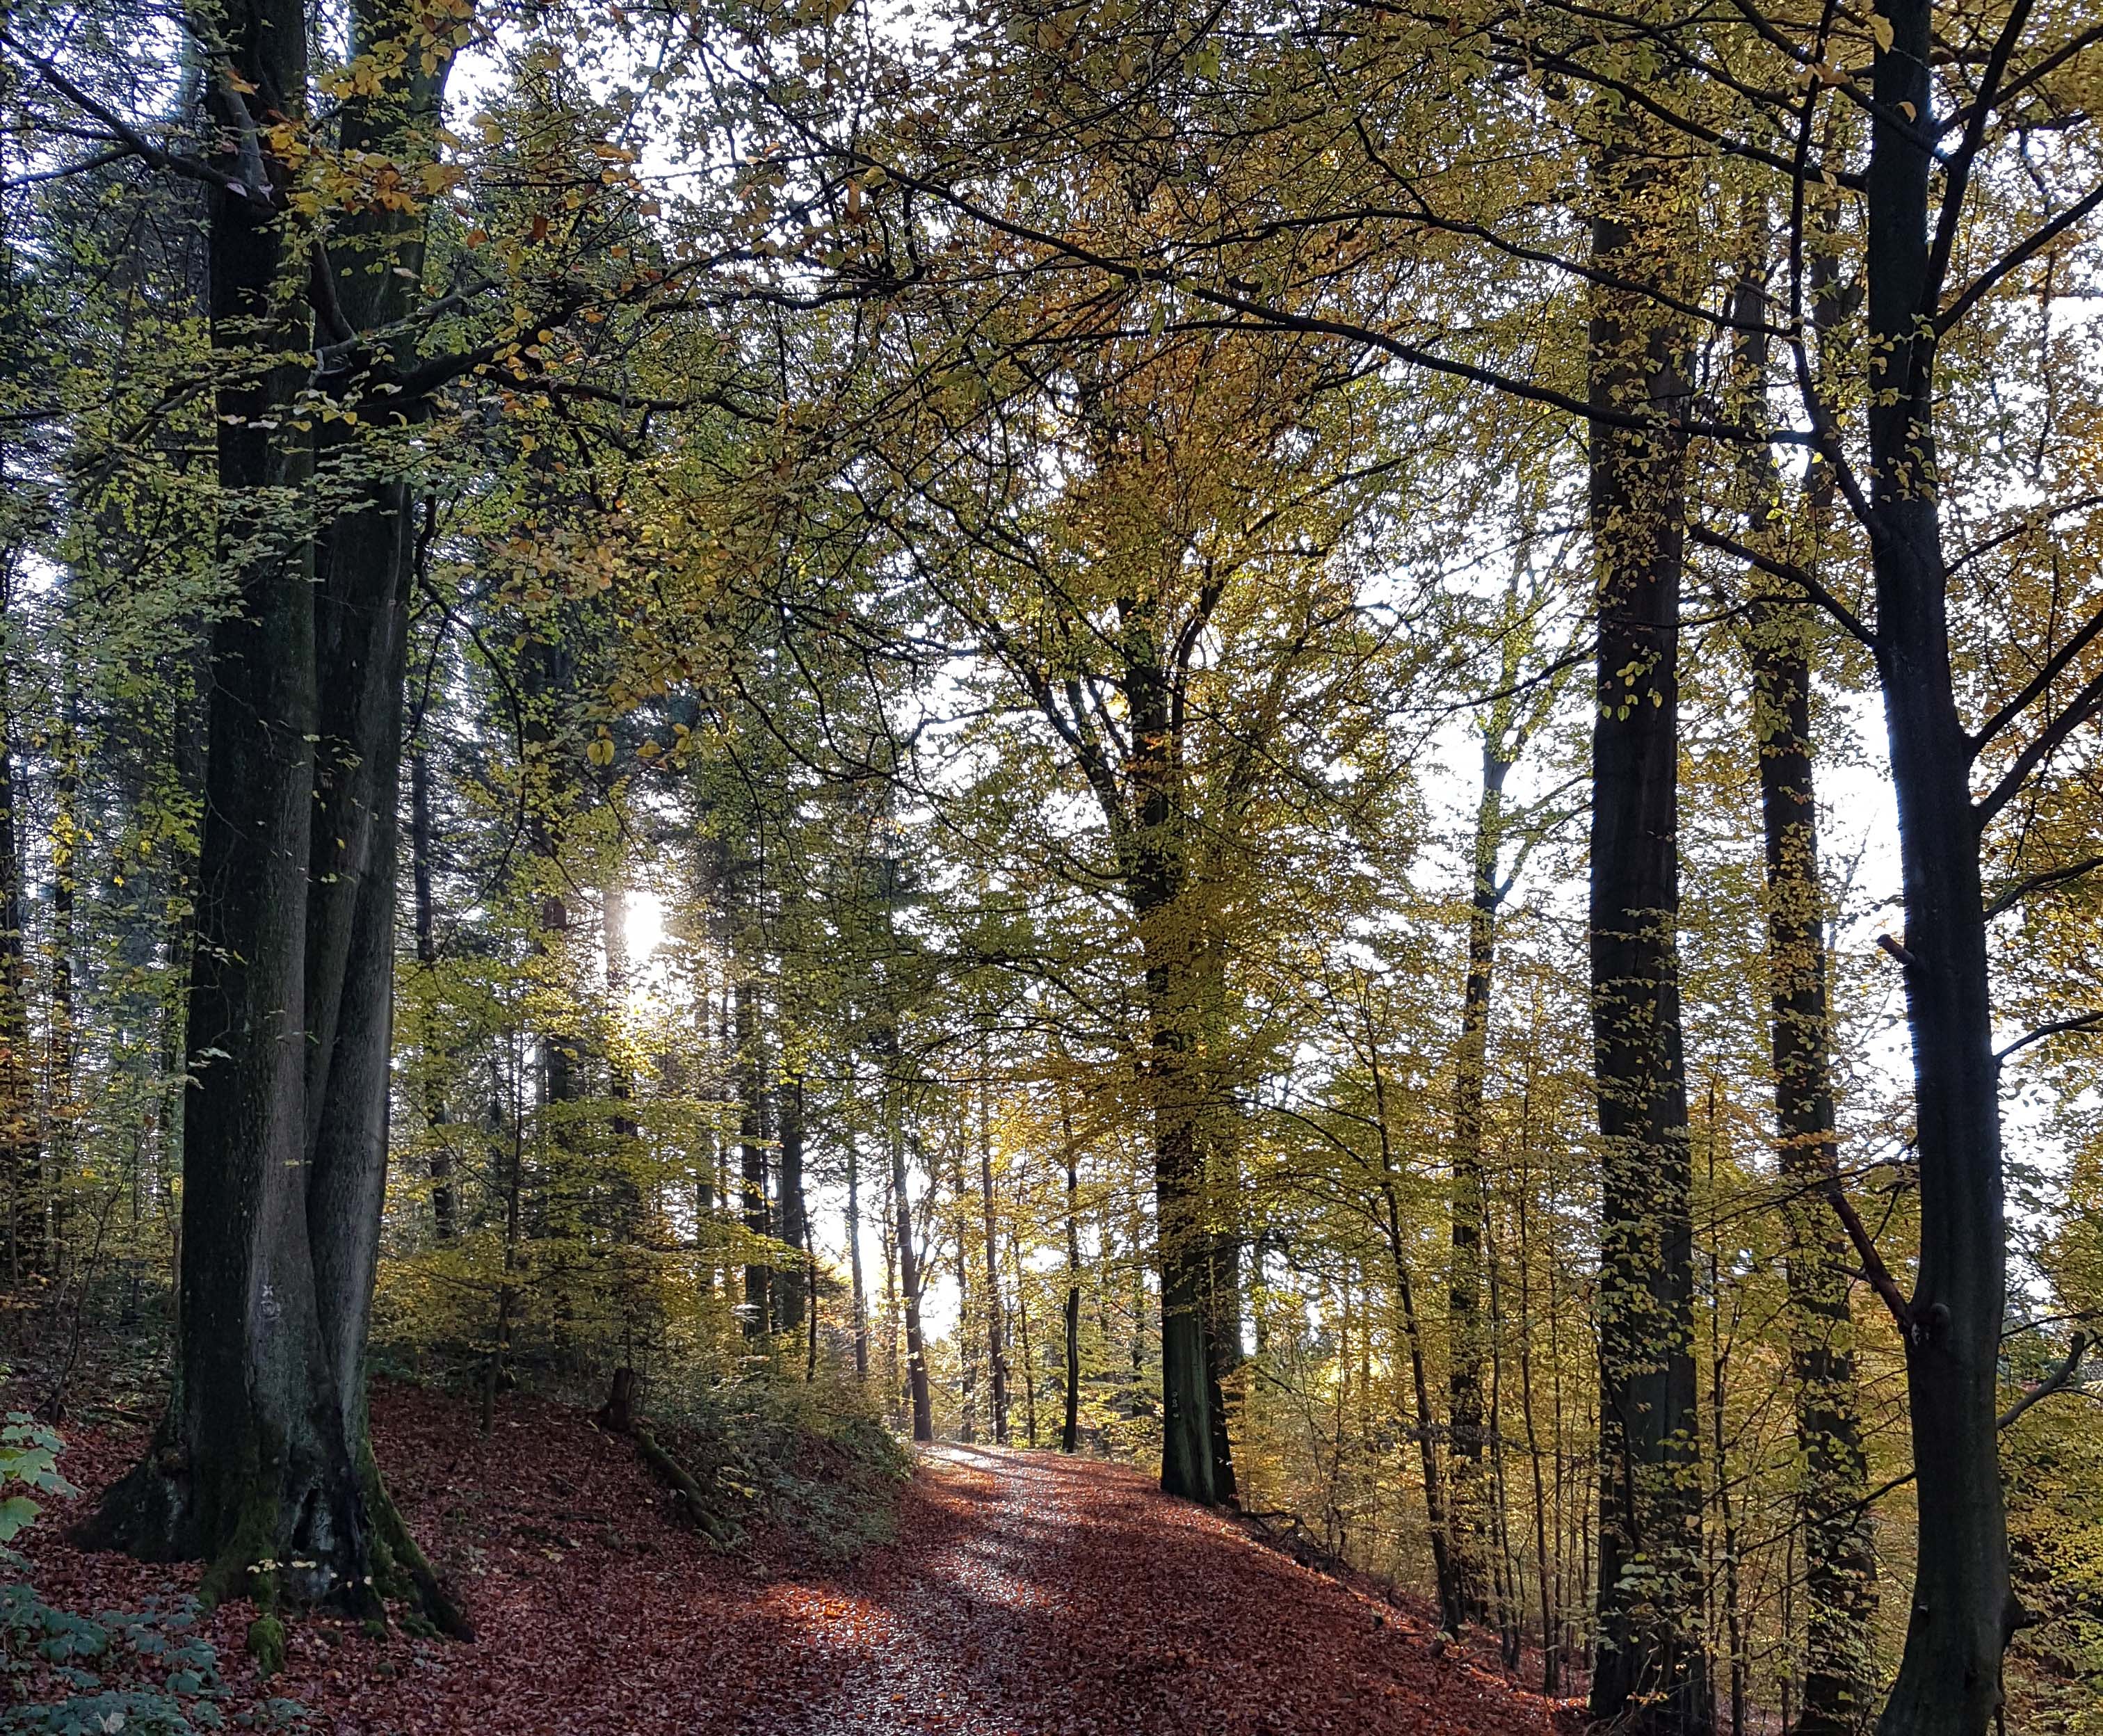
1070 1433
61 1109
1652 1672
860 1300
262 1466
1464 1206
1022 1325
444 1205
1840 1569
21 1156
909 1281
996 1348
791 1287
1963 1611
752 1151
1437 1514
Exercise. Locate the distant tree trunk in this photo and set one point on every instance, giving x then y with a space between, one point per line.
860 1300
1070 1433
1719 1360
1437 1514
751 1128
967 1339
791 1287
61 1109
996 1348
1022 1323
1839 1567
21 1154
445 1206
909 1277
1464 1307
1551 1672
1651 1674
894 1385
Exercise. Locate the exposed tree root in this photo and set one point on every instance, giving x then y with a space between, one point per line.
617 1417
400 1567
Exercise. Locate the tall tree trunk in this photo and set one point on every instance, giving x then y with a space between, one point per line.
1963 1611
263 1465
1651 1670
1070 1433
752 1151
860 1299
996 1348
909 1281
1840 1570
1465 1201
1183 1245
254 1448
445 1204
21 1155
791 1287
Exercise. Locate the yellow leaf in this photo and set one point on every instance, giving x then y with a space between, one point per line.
1880 27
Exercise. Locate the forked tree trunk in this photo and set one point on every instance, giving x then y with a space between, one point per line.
262 1466
1652 1670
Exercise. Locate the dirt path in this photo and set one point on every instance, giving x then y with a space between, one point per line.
1025 1595
1037 1594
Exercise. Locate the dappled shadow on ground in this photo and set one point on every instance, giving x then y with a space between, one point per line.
1025 1595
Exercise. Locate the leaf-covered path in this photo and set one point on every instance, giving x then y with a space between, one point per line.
1023 1594
1047 1595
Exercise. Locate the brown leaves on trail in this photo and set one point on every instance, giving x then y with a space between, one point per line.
1027 1596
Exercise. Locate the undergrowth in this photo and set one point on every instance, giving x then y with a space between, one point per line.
812 1460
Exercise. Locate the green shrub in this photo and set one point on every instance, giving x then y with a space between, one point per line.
54 1663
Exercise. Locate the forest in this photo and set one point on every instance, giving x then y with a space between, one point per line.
1353 750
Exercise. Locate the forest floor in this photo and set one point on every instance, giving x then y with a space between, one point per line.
1023 1594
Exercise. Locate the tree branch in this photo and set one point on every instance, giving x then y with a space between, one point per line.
2055 666
1873 1268
2059 1378
2043 881
2078 711
1790 573
2056 1028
